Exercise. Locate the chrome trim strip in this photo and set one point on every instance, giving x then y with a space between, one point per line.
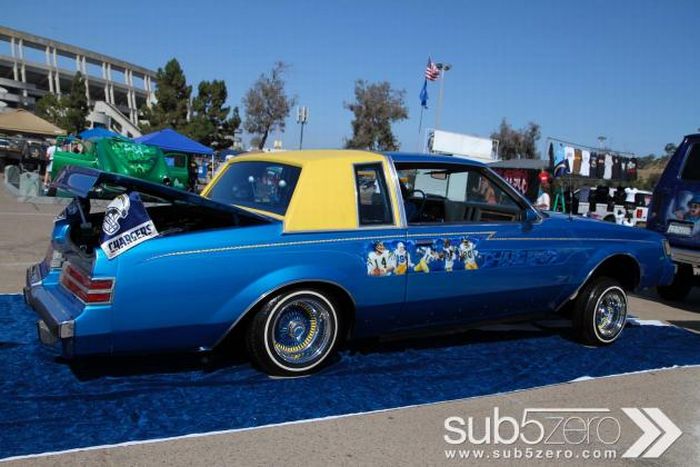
489 234
267 245
272 291
625 240
490 237
403 222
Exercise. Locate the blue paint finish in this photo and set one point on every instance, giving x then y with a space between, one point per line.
206 281
48 405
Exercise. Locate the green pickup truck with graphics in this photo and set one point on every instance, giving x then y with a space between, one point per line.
125 157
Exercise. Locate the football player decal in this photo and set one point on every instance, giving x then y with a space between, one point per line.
379 261
427 257
468 254
402 259
448 255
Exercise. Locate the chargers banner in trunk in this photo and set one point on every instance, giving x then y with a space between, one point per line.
126 224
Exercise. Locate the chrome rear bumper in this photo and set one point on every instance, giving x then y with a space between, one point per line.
684 255
54 323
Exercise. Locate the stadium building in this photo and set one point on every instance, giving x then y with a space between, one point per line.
32 66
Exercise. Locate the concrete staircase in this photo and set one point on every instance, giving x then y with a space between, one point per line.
111 118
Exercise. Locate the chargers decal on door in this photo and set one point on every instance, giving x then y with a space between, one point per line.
451 254
386 258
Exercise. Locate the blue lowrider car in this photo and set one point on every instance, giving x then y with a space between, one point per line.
296 252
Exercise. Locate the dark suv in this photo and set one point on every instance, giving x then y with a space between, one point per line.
675 212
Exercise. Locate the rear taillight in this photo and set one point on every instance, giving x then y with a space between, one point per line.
88 290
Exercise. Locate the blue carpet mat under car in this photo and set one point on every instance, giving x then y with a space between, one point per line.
48 405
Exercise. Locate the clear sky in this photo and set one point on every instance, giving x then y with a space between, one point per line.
629 70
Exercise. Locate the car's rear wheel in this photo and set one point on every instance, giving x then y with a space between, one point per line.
600 311
294 333
681 285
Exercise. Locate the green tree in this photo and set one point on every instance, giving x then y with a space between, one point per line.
77 109
210 124
376 107
517 144
267 105
172 100
51 108
670 149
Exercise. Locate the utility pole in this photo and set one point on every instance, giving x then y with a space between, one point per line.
444 68
302 118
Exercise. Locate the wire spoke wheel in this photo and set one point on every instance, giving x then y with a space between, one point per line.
600 311
611 313
301 329
294 333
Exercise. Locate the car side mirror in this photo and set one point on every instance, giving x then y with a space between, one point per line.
530 216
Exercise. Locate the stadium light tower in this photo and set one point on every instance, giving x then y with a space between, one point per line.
302 118
444 68
601 141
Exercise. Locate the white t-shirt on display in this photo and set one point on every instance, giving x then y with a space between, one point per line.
585 163
629 194
570 156
607 173
543 201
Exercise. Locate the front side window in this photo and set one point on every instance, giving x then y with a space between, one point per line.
267 186
373 204
176 160
441 193
691 168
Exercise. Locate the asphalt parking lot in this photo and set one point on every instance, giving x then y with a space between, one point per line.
410 435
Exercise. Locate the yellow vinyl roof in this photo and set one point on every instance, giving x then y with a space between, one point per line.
324 197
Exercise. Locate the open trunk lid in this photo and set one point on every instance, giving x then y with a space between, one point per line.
83 182
88 224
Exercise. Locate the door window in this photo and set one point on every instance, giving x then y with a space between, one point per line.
446 193
373 205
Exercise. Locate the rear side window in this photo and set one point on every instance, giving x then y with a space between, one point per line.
267 186
691 168
373 205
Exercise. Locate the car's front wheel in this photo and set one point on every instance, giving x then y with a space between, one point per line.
600 311
294 333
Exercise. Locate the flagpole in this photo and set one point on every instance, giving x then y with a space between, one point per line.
420 127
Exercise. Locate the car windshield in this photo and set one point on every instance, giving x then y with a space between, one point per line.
267 186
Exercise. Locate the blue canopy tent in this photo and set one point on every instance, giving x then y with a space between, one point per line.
98 132
171 141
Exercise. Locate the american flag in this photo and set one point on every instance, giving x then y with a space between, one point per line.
431 71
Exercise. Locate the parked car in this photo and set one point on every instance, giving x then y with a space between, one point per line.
122 156
675 212
33 155
11 149
296 252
